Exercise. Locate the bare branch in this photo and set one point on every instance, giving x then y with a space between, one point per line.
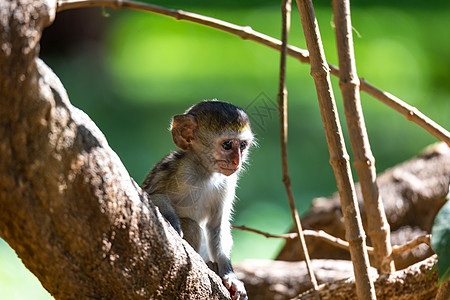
282 111
246 32
364 162
335 241
423 239
411 113
340 243
338 154
289 236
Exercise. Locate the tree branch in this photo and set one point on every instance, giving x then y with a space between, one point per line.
411 113
338 154
288 236
400 249
276 279
340 243
416 282
283 116
246 32
364 162
68 207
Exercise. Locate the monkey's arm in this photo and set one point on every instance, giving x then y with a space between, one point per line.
166 209
219 246
192 233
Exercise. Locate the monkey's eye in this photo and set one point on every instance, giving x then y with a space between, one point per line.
227 145
243 145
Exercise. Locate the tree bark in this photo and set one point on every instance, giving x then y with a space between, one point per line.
276 280
443 291
418 282
281 280
68 207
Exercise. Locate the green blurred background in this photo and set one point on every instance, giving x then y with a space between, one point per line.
131 71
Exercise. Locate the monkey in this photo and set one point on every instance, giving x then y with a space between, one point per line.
194 187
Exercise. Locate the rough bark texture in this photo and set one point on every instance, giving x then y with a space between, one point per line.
418 282
277 280
412 193
67 205
443 292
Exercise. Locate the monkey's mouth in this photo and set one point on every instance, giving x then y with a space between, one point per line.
225 169
227 172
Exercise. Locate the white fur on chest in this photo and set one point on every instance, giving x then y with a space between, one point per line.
203 197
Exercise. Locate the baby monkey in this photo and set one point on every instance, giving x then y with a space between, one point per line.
194 187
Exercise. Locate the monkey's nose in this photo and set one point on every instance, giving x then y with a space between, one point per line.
235 163
236 160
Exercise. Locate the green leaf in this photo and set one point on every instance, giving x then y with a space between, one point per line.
440 240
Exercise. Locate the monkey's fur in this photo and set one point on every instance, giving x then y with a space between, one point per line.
194 188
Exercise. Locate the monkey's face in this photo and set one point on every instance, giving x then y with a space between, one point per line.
217 134
230 151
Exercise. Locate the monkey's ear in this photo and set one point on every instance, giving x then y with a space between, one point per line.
184 128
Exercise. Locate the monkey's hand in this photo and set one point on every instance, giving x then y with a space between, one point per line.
235 286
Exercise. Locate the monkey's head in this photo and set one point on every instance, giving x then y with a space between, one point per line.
218 132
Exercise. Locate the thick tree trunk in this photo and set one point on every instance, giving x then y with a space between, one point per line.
67 205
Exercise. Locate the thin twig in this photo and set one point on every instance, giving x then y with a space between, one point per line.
364 162
282 110
340 243
287 236
423 239
246 32
411 113
320 234
332 240
338 153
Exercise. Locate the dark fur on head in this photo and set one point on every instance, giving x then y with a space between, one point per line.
218 115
